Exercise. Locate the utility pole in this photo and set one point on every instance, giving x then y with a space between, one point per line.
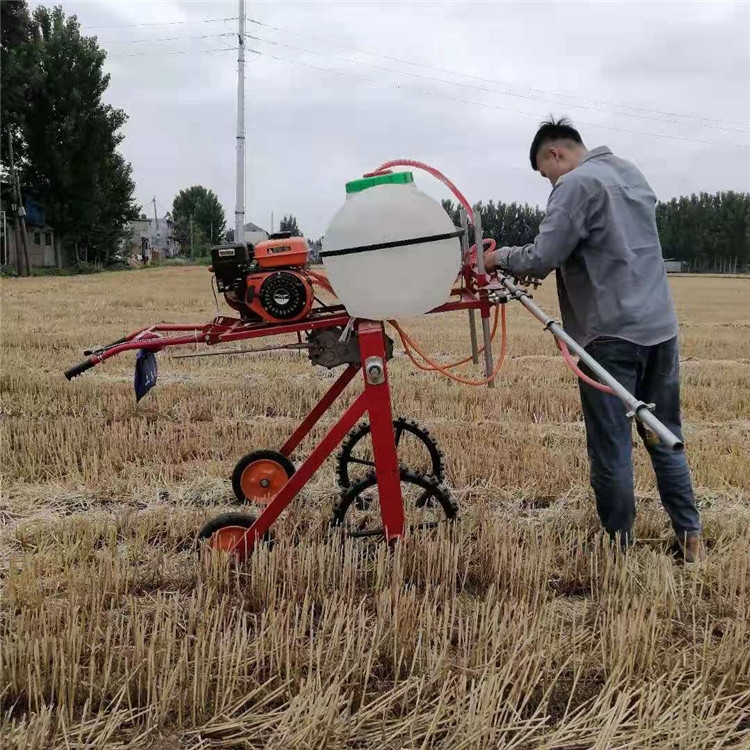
19 215
239 211
191 236
5 258
272 229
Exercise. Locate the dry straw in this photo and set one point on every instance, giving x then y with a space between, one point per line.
512 629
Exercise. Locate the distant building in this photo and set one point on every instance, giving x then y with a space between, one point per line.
315 248
675 266
44 249
151 240
254 234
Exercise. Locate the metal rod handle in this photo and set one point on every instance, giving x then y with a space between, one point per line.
489 364
464 256
635 407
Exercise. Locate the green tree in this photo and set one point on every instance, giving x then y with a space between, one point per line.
204 208
200 246
506 223
19 74
709 232
68 137
289 224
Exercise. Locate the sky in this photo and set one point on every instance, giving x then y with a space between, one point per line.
340 87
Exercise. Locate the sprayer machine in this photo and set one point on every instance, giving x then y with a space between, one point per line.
390 252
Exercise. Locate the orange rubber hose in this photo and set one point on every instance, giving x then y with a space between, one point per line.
405 340
409 345
323 282
481 349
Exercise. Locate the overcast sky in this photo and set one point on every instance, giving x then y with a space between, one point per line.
488 73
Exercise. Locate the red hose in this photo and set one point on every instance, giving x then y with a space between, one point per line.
473 249
568 357
435 173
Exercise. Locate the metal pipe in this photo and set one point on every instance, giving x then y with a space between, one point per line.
489 364
636 408
258 350
464 254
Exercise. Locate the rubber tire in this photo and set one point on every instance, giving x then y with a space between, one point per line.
249 458
227 519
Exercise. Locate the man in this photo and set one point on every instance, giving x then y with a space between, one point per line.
599 232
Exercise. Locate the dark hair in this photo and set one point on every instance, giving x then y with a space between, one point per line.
551 130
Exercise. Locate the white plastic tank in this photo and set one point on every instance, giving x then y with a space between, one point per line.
390 251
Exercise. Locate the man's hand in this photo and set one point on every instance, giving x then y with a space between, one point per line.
490 261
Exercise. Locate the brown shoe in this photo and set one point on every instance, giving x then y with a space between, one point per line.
692 548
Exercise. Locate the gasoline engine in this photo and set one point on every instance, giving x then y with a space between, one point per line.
267 281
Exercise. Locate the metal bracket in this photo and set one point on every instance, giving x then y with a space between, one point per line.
374 371
347 332
634 413
497 298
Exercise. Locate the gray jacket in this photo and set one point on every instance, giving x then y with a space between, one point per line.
599 232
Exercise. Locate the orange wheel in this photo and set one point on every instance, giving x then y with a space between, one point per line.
227 533
230 539
259 476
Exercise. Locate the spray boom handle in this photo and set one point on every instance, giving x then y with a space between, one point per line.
79 369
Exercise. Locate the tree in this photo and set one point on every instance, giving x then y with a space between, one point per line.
289 224
19 74
199 245
709 232
206 211
67 137
506 223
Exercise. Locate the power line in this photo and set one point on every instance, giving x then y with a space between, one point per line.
160 23
502 83
496 107
178 52
168 38
481 88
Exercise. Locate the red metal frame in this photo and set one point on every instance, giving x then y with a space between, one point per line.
375 399
223 329
319 410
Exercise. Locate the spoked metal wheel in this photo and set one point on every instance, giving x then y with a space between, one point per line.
418 452
427 505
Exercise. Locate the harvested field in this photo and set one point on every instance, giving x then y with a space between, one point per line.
512 629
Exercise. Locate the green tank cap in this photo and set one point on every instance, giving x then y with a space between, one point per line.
397 178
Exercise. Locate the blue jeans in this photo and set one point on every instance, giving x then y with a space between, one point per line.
651 374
